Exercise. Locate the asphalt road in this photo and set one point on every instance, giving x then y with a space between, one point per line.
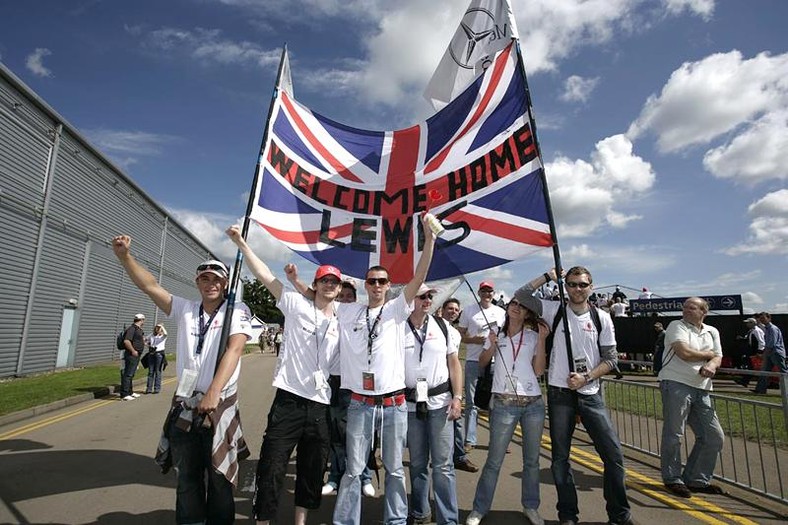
92 463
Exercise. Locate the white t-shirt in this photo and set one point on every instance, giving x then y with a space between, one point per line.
158 342
309 345
523 345
618 309
688 372
584 343
386 361
429 360
475 322
186 314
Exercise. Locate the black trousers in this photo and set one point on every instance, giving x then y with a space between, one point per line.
292 422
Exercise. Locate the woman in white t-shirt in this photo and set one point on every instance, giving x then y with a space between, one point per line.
156 343
519 350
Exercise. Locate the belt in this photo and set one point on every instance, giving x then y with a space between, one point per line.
516 400
410 393
387 400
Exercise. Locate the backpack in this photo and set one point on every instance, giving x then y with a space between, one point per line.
121 337
597 324
659 353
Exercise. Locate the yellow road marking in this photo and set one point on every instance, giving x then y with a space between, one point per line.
699 511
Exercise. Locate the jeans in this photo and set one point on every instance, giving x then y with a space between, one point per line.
432 437
130 364
459 438
562 407
154 372
337 455
683 404
293 421
362 419
191 457
770 360
503 421
472 372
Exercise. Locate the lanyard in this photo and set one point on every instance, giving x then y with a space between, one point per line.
205 326
519 344
423 337
319 342
371 335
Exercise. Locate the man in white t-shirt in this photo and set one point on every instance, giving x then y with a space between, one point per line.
432 373
299 416
373 369
202 454
692 356
474 326
573 389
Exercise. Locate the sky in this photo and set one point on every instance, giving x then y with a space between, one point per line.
662 123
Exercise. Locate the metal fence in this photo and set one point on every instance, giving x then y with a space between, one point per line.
756 430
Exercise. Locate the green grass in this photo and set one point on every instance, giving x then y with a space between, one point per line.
41 389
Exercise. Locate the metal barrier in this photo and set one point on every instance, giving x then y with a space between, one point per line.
756 431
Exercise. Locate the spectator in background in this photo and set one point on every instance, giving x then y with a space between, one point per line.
134 341
773 351
751 343
645 294
685 383
618 293
156 344
618 308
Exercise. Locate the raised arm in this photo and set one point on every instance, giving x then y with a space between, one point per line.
420 273
140 276
291 271
525 294
255 264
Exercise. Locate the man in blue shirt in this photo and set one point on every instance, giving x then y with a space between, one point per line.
773 351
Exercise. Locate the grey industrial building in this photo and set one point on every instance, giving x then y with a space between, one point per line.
65 296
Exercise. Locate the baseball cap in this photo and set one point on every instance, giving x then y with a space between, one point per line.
139 317
327 269
425 289
487 284
751 320
213 266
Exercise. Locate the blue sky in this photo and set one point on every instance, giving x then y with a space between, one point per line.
663 123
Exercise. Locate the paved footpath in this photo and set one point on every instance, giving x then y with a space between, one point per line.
92 463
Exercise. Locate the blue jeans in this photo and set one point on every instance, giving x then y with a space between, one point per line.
562 407
503 420
770 360
130 364
683 404
362 420
471 412
432 437
191 457
337 455
154 372
459 438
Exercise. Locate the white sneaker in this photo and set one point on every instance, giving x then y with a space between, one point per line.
128 398
135 395
368 490
328 488
532 515
474 518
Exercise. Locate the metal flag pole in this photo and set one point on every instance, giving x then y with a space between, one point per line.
549 206
236 273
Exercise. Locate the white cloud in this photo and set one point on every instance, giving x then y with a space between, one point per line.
705 99
756 155
207 47
128 142
35 62
751 298
769 227
586 195
704 8
578 89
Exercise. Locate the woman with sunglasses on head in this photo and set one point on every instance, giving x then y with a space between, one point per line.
519 351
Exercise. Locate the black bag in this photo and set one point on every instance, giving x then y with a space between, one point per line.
483 393
145 361
121 337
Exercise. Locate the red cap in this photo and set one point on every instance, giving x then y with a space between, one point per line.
327 269
487 284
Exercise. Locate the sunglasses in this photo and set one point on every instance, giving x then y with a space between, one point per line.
382 281
581 285
515 303
425 296
214 267
329 281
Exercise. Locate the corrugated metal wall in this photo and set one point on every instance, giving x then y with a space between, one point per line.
61 201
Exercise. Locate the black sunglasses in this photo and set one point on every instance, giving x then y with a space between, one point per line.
214 267
425 296
372 281
329 280
572 284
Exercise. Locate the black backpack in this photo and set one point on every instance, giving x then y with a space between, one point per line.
557 320
121 338
659 353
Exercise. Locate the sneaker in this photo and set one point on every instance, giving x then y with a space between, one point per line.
413 520
129 398
147 392
707 489
135 395
533 517
328 488
466 464
679 489
474 518
368 490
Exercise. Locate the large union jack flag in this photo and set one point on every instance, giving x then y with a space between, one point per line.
352 197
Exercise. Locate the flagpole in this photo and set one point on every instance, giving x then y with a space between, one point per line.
236 273
549 206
